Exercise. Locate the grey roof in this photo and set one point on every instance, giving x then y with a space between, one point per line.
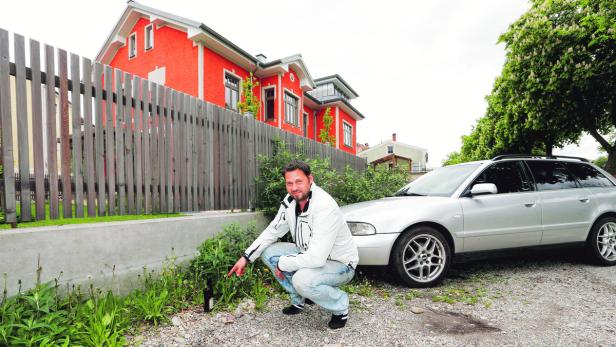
194 24
338 77
330 101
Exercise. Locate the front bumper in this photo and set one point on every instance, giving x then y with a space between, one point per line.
375 249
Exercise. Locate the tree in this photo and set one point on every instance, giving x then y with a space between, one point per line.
560 74
325 134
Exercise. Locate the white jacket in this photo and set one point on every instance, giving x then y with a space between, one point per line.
320 233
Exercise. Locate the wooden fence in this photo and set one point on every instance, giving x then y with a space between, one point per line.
127 145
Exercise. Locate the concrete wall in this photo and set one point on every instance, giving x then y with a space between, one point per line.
87 253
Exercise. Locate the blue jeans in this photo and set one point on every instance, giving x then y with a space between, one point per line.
317 284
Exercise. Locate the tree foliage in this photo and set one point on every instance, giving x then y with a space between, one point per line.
250 102
325 134
558 82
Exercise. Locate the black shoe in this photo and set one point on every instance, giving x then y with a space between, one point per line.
308 302
338 321
293 309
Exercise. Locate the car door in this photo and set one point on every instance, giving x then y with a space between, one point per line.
567 208
510 218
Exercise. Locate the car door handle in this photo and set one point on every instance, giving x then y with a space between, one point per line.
530 204
584 199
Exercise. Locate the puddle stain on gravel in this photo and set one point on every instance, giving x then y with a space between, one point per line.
455 323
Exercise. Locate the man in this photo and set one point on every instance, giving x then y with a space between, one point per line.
323 255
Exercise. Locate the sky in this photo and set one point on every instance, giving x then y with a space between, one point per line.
422 69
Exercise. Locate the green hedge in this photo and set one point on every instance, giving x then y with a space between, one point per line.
347 187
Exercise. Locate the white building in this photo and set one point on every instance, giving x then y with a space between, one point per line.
396 154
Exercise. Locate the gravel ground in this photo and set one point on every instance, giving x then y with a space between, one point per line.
531 299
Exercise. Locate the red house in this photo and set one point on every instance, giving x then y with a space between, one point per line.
191 57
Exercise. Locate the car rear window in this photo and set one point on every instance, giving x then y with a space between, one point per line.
588 176
551 175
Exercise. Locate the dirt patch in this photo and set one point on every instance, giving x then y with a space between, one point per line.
455 323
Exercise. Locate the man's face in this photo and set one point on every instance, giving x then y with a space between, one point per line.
298 184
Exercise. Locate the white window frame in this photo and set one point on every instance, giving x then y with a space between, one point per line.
296 124
265 102
239 86
145 38
134 47
350 145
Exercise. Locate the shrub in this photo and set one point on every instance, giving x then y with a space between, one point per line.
347 187
215 258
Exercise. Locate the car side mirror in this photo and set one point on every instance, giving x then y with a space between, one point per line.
484 188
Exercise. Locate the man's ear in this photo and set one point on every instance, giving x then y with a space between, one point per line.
310 178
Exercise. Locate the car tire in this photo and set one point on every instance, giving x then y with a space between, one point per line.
601 243
421 257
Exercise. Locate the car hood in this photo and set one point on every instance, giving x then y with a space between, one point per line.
393 214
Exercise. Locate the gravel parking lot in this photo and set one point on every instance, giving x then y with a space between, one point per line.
532 298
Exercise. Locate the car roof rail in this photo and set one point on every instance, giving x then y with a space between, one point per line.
509 156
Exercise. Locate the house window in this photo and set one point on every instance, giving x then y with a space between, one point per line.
232 91
149 37
348 134
390 149
270 105
132 45
290 109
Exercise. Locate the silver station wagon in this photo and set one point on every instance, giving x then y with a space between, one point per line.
508 202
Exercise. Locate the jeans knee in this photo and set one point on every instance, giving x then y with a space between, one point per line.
301 282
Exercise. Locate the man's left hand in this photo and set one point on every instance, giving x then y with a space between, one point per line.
279 273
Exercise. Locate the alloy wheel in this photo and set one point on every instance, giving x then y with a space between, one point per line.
606 241
424 258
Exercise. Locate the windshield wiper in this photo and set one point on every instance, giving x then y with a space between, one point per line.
413 194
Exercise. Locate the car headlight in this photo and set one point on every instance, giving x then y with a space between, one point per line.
361 229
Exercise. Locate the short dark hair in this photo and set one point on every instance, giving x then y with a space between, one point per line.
296 165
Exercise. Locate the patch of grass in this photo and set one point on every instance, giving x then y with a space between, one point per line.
85 220
413 294
360 287
399 301
451 295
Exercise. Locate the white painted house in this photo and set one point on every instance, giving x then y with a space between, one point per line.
396 154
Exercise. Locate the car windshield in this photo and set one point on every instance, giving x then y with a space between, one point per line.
440 182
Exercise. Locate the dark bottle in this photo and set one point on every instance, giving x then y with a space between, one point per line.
208 297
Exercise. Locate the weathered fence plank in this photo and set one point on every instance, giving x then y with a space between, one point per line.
88 137
76 135
128 142
154 149
65 145
177 101
169 148
37 129
109 141
10 215
137 146
162 104
99 138
146 154
119 143
23 143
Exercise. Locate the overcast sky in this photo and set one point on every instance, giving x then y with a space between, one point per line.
422 68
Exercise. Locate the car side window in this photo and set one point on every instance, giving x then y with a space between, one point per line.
507 176
551 175
588 176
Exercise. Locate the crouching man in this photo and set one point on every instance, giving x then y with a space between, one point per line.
322 256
